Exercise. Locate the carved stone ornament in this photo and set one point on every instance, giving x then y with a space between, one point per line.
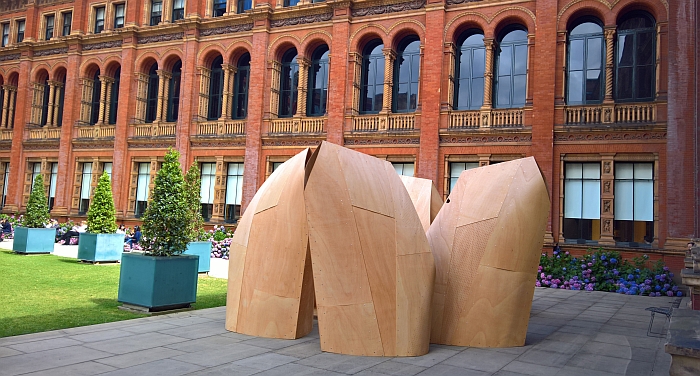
485 139
159 38
382 141
40 145
10 57
637 136
9 5
103 45
606 167
606 186
152 145
5 145
390 8
453 2
226 29
302 20
53 51
94 145
606 206
218 144
292 143
607 226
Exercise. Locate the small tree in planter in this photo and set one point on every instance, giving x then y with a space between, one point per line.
199 240
32 236
162 278
100 242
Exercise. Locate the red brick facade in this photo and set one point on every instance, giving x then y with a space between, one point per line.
663 131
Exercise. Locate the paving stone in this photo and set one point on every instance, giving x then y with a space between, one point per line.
545 358
297 370
598 362
43 360
195 331
530 369
623 351
7 341
577 371
6 351
341 363
149 327
265 361
201 344
559 347
507 373
164 367
136 342
188 320
568 337
276 344
221 355
80 369
46 344
447 370
226 370
139 357
541 329
302 350
101 335
640 368
481 359
392 367
433 357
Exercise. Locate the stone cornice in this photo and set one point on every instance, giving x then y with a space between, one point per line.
608 136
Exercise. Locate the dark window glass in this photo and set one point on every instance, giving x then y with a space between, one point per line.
290 3
45 103
469 72
2 98
240 88
234 190
114 98
49 27
511 69
405 98
20 31
52 184
5 180
99 19
456 169
118 16
318 82
219 8
372 78
289 79
67 22
178 10
142 183
85 188
243 5
174 93
581 221
5 34
585 83
95 104
634 204
156 12
635 58
152 98
61 101
216 87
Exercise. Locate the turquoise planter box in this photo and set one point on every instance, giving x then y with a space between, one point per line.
158 283
203 250
100 247
34 240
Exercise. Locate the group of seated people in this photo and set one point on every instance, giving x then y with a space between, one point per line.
6 228
129 238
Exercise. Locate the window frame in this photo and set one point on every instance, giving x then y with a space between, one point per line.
207 208
141 205
243 5
511 76
232 212
584 69
650 225
652 65
154 15
216 83
6 177
237 92
96 97
177 13
99 23
84 203
367 59
318 62
152 94
21 25
289 83
45 103
290 3
219 8
49 30
5 34
53 179
114 98
66 16
471 49
580 221
173 102
116 20
405 42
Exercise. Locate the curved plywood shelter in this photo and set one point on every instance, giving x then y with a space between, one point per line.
425 197
487 241
372 267
270 286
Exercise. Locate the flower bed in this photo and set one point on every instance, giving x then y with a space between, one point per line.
605 271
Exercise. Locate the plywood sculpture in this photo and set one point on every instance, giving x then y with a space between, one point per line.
270 287
425 197
487 241
372 267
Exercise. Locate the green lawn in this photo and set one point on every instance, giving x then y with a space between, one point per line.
46 292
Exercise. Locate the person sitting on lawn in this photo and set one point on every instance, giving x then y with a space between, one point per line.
75 231
134 239
121 230
6 228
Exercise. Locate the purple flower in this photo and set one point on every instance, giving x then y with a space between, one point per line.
554 286
542 275
669 293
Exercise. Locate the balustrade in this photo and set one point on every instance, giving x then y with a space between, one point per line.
96 131
221 128
390 122
155 130
6 135
45 133
297 125
610 113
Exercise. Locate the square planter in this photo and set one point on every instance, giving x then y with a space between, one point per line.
158 283
34 240
100 247
203 250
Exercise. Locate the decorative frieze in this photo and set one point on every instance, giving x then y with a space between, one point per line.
484 139
151 145
53 51
454 2
226 29
301 20
382 141
209 144
389 8
10 5
159 38
103 45
9 57
29 145
94 144
291 143
609 136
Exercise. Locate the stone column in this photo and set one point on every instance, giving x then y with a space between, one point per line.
104 83
205 77
49 114
11 112
607 181
5 104
302 85
389 57
108 99
227 91
488 74
163 81
59 87
609 55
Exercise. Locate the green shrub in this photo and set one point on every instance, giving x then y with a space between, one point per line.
37 215
101 216
166 227
194 199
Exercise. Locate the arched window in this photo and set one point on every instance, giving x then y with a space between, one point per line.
372 79
511 68
288 84
152 94
470 61
174 93
405 98
240 88
216 88
318 82
61 100
585 63
635 58
95 103
114 97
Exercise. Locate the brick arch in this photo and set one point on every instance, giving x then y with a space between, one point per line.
59 72
465 21
512 15
210 51
402 29
89 67
366 33
237 50
13 77
654 7
170 60
585 8
314 40
2 79
281 44
40 73
111 66
145 61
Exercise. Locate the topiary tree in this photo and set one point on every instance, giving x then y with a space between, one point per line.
194 199
101 216
166 227
37 208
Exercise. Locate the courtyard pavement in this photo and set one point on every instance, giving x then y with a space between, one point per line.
570 333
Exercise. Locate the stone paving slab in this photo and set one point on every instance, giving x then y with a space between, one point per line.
570 333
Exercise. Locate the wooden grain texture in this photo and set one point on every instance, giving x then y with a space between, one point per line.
270 290
425 198
486 241
372 266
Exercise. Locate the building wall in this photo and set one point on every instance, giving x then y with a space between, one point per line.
432 136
